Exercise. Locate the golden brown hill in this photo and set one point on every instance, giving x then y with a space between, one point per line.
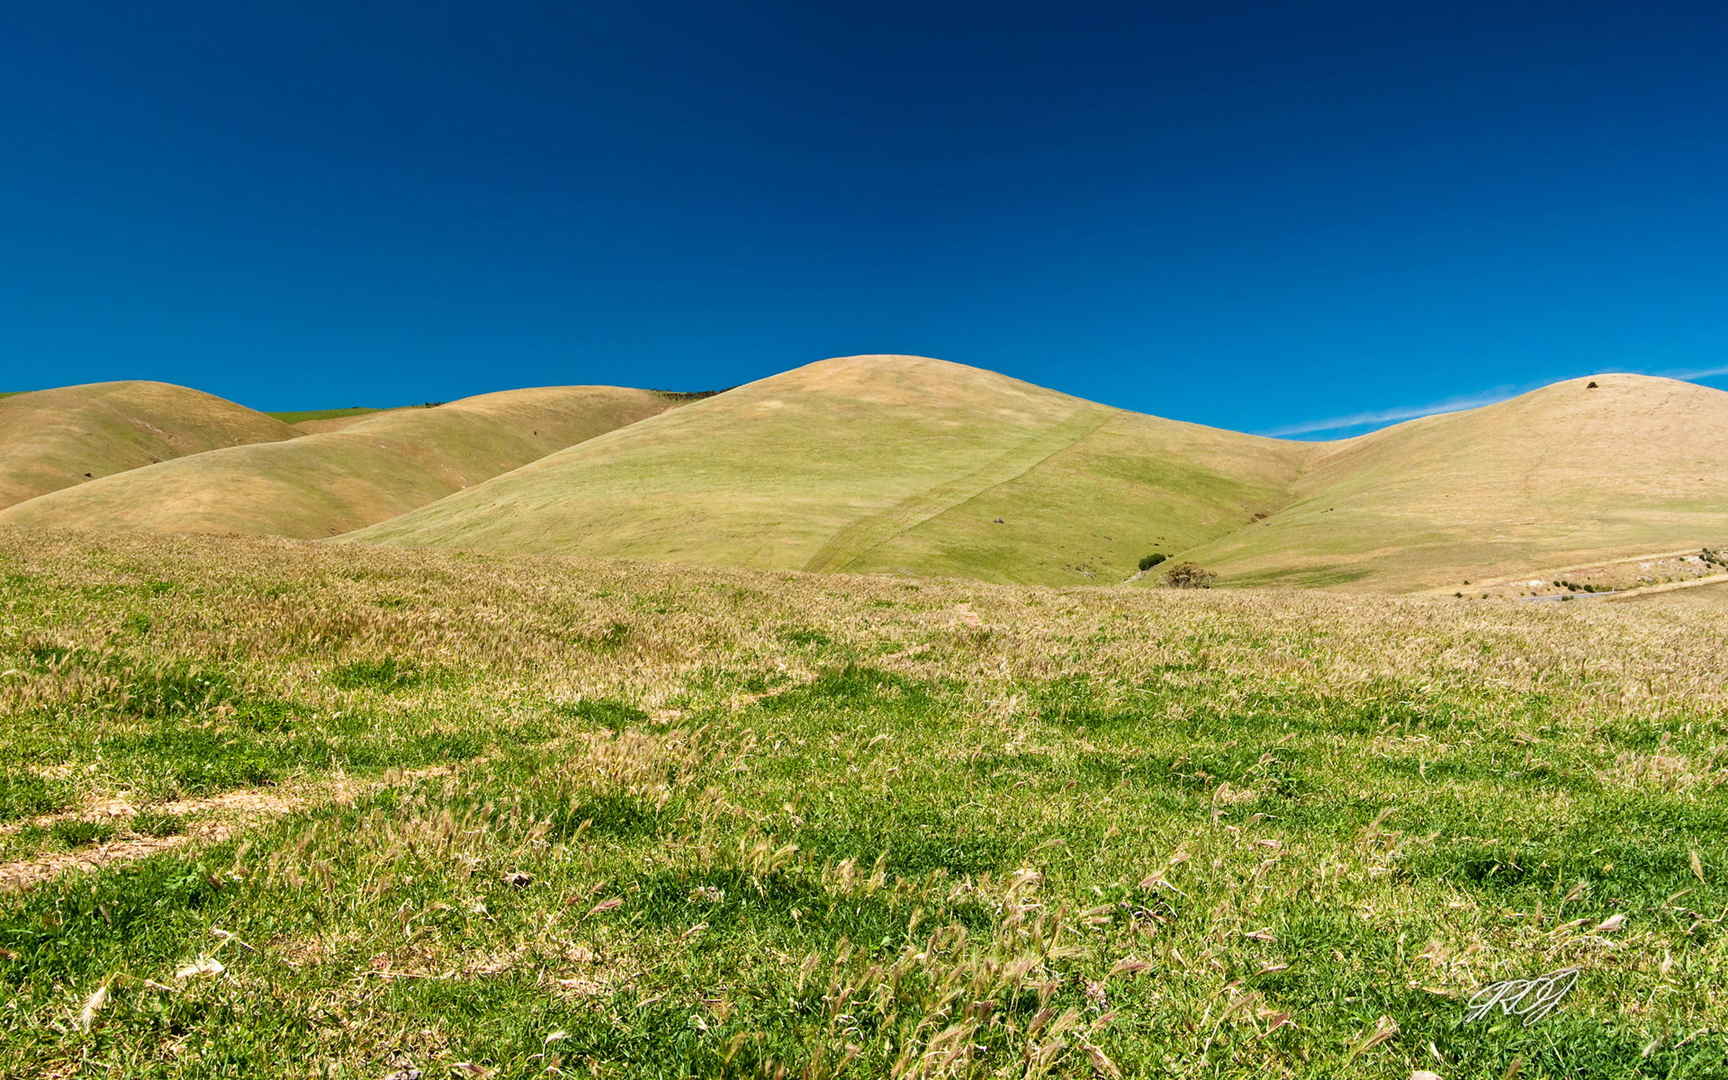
1564 475
321 484
877 463
54 439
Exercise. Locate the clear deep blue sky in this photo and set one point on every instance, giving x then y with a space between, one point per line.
1253 216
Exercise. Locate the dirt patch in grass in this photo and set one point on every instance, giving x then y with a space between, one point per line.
223 815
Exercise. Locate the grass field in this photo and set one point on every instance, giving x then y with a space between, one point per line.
282 809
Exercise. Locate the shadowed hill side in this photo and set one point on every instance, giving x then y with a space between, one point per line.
54 439
322 484
1563 475
877 463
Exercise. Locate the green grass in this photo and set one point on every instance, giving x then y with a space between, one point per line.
296 416
845 827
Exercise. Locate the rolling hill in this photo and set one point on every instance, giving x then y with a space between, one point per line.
54 439
917 466
878 463
325 483
1564 475
907 465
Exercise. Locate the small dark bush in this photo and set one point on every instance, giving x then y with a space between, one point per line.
157 823
1147 562
614 715
1188 576
73 833
388 674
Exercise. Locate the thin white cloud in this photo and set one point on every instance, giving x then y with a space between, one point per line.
1696 373
1393 415
1457 404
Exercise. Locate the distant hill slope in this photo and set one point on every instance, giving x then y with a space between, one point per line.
1564 475
904 464
54 439
321 484
312 421
878 463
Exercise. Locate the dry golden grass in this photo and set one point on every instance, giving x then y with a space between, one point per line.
372 468
54 439
1563 476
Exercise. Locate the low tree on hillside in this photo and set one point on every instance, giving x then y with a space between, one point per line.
1188 576
1147 562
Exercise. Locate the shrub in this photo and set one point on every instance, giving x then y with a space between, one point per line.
1188 576
73 833
157 823
614 715
1147 562
387 675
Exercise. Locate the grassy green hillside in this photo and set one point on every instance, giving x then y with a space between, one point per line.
322 484
877 463
53 439
273 809
1564 475
302 416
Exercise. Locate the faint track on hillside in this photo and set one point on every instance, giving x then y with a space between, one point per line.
867 533
1670 586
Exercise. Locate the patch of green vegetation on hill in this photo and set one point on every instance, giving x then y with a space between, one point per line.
302 415
784 821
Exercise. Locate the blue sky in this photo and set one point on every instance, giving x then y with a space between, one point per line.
1299 218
